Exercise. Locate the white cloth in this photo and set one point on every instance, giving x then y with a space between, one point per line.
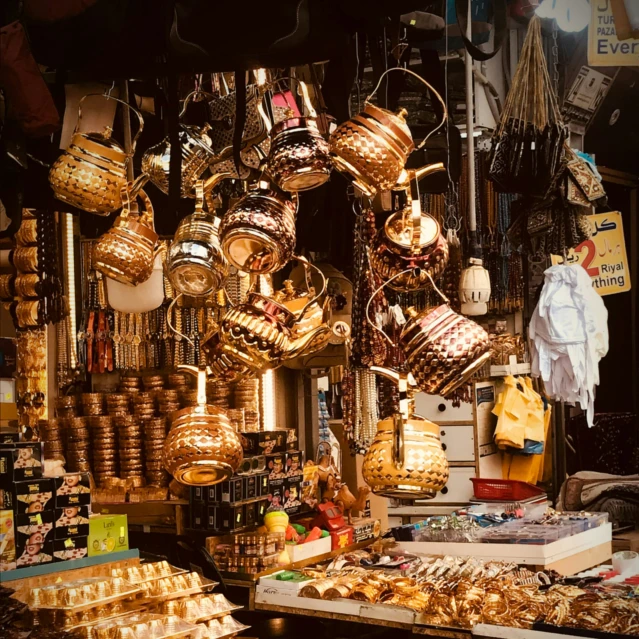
568 336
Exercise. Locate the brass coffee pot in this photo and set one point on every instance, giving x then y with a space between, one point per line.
372 148
90 174
197 156
261 334
410 247
406 459
126 252
257 233
202 448
196 265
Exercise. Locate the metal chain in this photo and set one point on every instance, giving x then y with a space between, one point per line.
555 59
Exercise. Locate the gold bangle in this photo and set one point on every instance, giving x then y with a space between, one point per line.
7 287
27 285
25 259
27 233
27 313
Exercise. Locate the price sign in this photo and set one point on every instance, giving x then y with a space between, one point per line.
603 255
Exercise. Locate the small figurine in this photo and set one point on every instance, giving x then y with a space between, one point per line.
347 501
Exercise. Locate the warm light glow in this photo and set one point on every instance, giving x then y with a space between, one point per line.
69 261
267 392
571 15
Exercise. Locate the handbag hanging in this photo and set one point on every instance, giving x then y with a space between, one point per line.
528 145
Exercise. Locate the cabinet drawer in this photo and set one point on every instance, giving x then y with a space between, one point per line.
458 490
438 409
458 443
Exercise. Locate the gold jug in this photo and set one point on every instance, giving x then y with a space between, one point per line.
257 233
371 148
196 265
201 449
298 159
406 459
261 334
126 252
91 172
410 246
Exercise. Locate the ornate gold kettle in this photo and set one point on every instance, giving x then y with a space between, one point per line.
260 334
90 174
372 148
410 246
406 459
202 448
196 265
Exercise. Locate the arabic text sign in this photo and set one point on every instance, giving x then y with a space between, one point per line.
604 47
603 255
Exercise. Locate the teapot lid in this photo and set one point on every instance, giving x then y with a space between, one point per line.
101 143
199 136
399 231
395 123
294 299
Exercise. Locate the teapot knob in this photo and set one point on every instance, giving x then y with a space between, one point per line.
412 312
106 134
402 113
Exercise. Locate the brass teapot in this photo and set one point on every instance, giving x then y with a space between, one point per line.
260 334
257 233
372 148
126 252
406 459
202 448
196 265
410 247
197 156
91 172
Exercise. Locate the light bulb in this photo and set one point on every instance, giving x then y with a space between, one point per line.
571 15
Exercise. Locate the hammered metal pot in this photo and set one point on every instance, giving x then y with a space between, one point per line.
201 448
257 234
91 172
443 349
196 265
126 252
406 459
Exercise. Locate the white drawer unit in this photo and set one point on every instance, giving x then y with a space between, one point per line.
438 409
458 442
458 490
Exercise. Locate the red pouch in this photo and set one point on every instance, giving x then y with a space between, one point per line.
29 101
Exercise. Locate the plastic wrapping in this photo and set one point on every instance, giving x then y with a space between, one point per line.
143 626
147 572
220 628
198 608
174 587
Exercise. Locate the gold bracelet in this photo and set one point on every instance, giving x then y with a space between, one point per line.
25 259
27 233
27 285
7 287
27 313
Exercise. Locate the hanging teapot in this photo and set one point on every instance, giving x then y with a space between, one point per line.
202 448
410 247
371 148
91 172
442 348
261 334
126 252
257 233
197 156
196 265
299 159
406 459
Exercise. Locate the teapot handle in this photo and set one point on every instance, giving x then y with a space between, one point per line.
146 217
126 104
190 96
307 264
305 97
200 373
398 441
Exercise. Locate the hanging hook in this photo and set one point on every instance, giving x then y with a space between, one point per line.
107 94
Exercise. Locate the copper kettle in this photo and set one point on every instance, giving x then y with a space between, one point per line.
406 459
202 448
260 334
410 247
371 148
91 172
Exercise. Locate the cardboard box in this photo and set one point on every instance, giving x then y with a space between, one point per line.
226 518
250 514
70 548
7 541
20 461
276 466
365 529
73 489
264 443
295 463
276 493
32 551
107 534
199 514
311 549
250 487
9 436
341 538
30 496
198 494
31 523
72 521
227 492
262 484
292 495
260 509
626 541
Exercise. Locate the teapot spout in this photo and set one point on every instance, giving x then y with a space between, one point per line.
311 342
409 175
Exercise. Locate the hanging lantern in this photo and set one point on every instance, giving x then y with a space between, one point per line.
474 288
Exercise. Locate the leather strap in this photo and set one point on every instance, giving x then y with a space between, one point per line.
499 11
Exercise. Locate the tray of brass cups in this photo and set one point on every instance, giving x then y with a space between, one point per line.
175 587
145 573
199 608
222 628
80 602
143 626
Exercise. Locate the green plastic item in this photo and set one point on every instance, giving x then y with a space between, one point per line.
324 534
287 575
299 529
